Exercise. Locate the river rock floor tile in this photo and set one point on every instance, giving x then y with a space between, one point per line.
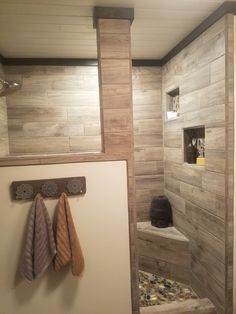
156 290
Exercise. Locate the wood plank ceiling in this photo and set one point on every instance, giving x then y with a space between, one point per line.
64 28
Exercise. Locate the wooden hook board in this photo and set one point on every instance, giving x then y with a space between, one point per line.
52 188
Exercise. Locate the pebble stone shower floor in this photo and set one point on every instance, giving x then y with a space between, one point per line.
156 290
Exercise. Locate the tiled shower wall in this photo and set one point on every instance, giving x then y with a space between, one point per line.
148 137
197 194
4 144
56 110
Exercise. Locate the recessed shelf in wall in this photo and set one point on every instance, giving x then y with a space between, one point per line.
194 166
194 145
172 104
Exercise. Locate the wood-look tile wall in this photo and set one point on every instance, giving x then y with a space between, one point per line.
57 110
229 186
4 143
197 194
148 137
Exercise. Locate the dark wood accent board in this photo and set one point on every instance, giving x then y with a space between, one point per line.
146 63
113 13
52 188
49 61
70 62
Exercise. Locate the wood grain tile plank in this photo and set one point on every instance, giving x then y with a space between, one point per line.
116 47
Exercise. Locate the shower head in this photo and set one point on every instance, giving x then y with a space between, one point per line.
7 88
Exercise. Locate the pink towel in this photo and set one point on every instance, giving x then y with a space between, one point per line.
40 247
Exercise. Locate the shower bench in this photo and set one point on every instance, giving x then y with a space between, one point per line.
199 306
163 251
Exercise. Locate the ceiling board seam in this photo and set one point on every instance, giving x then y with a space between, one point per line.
226 8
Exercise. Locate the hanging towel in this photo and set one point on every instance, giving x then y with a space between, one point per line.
40 247
67 242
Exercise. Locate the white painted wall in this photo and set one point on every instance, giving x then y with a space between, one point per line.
101 219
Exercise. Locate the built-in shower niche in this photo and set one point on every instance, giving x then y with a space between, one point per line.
172 104
194 145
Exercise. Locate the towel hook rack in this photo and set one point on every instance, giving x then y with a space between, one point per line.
52 188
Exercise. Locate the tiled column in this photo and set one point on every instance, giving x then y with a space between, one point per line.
115 73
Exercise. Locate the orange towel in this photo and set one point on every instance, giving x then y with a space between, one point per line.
67 242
